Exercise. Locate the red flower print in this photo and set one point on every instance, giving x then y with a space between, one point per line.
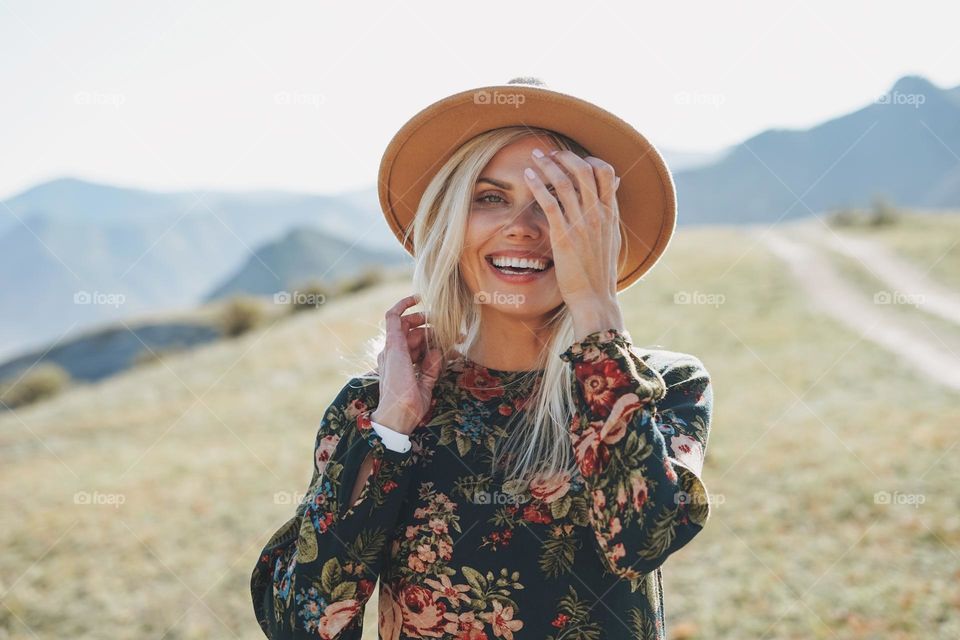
538 514
502 620
443 588
326 448
336 616
480 383
561 620
550 488
364 588
422 615
601 380
354 408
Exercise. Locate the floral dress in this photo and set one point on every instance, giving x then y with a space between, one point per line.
461 554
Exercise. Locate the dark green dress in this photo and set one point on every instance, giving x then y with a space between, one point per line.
460 554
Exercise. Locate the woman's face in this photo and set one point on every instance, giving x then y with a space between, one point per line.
505 221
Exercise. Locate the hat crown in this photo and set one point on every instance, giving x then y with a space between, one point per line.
530 81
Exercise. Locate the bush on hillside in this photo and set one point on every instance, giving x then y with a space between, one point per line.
45 380
241 314
369 277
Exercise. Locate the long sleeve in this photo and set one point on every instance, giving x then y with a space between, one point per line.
639 435
317 572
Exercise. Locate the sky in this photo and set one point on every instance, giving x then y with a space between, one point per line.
305 96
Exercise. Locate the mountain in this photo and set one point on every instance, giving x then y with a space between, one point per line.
99 353
683 160
136 251
300 256
901 146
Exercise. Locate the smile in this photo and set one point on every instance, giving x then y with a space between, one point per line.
518 270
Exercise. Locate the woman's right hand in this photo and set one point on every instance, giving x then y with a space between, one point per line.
405 394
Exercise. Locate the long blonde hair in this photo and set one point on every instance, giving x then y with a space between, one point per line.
541 445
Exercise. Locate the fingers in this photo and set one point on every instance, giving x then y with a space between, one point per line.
551 208
563 185
606 179
395 329
585 173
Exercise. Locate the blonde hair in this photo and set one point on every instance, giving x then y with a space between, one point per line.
541 444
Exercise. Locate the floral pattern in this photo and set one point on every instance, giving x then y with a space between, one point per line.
459 553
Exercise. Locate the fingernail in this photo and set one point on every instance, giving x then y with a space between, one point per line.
537 153
529 173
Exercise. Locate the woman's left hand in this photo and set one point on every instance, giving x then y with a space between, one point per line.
585 233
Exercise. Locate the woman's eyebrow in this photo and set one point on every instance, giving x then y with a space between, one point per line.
506 186
500 185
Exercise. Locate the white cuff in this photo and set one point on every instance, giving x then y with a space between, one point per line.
393 440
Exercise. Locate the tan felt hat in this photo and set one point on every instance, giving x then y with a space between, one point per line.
646 196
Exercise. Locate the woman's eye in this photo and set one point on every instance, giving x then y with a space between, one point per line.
484 199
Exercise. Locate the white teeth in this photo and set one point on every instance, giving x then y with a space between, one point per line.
519 263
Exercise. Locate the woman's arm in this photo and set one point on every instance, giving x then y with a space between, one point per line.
318 570
639 435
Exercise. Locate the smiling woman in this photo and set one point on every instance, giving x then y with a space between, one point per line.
511 465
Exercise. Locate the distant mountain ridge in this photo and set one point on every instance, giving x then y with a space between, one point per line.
300 256
902 146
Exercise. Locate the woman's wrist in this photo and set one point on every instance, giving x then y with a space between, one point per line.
390 437
589 319
388 421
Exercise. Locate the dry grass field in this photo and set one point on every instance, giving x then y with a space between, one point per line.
135 508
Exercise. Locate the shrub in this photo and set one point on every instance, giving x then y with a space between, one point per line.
883 213
241 314
42 381
369 277
311 296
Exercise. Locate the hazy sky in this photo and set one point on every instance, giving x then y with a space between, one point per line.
306 95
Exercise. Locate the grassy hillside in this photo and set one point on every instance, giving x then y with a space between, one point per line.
205 450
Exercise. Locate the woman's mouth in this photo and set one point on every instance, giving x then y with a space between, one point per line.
518 270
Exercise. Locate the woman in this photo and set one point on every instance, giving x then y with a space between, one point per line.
496 489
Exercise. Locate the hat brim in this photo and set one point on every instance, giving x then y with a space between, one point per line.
646 195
